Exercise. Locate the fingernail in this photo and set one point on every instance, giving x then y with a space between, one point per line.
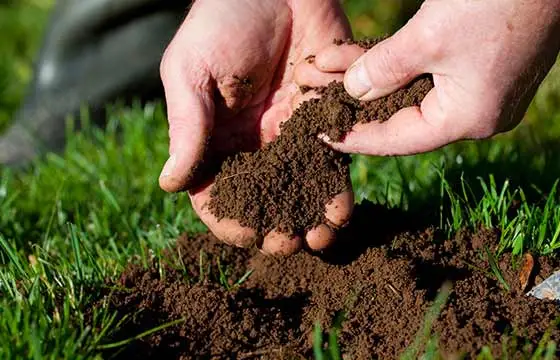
356 81
169 166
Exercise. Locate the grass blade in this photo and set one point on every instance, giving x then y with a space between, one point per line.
13 257
243 278
140 336
495 268
318 342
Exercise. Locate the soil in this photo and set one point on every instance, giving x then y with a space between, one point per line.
375 286
286 184
384 282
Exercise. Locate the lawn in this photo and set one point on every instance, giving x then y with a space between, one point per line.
72 223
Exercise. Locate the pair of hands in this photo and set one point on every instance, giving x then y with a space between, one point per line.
487 59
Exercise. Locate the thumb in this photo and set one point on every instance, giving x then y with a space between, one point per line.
190 112
386 67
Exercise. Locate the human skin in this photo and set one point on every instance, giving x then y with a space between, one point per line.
211 112
487 58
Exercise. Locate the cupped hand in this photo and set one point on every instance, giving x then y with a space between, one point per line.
487 59
229 83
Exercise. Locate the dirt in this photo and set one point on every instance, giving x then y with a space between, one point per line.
286 184
376 286
366 43
383 281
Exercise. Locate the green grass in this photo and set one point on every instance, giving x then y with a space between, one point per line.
76 219
21 25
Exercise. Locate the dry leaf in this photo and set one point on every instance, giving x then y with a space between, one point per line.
32 260
526 270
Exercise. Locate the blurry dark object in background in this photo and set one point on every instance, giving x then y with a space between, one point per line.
97 51
93 52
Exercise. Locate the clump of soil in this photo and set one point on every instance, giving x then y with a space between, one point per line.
383 281
286 184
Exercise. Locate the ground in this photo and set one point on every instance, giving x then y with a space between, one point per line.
71 224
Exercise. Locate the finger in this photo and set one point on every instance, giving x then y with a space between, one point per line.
386 67
278 243
229 231
320 237
337 58
277 114
410 131
337 213
308 74
339 210
301 98
190 112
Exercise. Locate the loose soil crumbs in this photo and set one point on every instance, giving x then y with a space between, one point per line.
286 184
384 282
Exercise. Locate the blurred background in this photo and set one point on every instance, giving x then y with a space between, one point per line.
21 26
22 23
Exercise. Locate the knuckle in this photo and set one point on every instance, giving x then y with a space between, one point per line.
164 65
167 64
430 41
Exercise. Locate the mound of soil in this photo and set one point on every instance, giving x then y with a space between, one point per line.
286 184
379 279
384 282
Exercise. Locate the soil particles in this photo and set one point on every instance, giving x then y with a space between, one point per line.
376 288
287 184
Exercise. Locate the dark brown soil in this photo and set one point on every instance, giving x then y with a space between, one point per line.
384 281
366 43
286 184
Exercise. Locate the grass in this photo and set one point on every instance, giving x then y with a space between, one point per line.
76 219
424 336
21 25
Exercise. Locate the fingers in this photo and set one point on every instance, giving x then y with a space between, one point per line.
337 214
278 243
309 75
410 131
320 237
190 111
386 67
329 65
337 58
339 210
227 230
300 98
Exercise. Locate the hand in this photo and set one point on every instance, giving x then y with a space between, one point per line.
228 76
487 59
